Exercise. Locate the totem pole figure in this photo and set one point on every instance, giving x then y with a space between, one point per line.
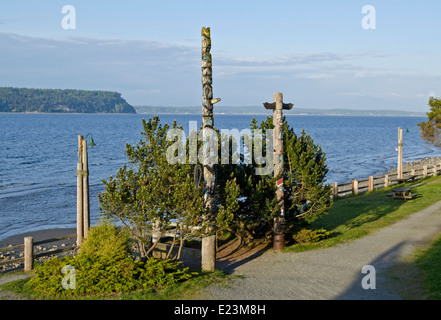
279 221
209 172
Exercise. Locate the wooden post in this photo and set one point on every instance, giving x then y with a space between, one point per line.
424 171
355 187
208 252
28 253
86 210
400 154
335 190
279 221
80 192
371 183
435 171
386 181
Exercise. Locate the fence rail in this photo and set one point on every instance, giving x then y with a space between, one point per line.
378 182
28 250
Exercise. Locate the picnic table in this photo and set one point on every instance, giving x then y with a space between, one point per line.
404 179
403 193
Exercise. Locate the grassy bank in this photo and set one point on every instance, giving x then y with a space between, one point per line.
180 291
353 217
429 262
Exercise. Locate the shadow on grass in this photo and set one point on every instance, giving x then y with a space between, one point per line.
353 217
357 211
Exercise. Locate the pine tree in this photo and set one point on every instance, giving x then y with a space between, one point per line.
431 130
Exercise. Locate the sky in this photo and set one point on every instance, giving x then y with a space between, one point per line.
320 54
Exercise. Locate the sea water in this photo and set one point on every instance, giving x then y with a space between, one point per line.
39 156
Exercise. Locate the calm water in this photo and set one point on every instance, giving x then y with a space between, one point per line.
39 156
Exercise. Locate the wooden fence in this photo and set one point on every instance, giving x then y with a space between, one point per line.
28 251
373 183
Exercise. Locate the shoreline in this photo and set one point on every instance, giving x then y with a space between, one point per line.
38 235
13 254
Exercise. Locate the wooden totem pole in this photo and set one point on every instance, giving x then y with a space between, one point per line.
209 173
279 221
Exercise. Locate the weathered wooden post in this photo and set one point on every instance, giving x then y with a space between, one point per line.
28 253
355 187
279 222
86 210
335 190
400 154
83 211
371 183
386 180
424 171
80 191
208 252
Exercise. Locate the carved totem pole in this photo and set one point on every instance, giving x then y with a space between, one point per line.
209 239
279 221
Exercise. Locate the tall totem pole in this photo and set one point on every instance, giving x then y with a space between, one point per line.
279 221
209 238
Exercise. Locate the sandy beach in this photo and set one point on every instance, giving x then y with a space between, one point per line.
38 236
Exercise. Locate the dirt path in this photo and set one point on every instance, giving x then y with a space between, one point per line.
336 272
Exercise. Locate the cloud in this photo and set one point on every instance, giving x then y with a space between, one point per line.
163 73
107 64
298 59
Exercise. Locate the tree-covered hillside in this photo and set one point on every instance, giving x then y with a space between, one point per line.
62 101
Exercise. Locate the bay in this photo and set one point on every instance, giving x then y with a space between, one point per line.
39 156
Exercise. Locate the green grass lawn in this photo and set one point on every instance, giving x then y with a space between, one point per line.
429 262
353 217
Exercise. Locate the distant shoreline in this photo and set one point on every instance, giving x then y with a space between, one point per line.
313 114
255 110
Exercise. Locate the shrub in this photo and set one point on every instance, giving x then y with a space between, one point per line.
104 265
307 236
107 240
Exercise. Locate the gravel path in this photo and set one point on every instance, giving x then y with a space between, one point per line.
6 295
336 272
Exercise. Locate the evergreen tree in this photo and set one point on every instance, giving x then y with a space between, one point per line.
151 193
307 196
431 130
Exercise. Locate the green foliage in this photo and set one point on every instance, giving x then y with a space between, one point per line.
151 192
307 196
307 236
108 241
57 100
104 265
305 167
431 130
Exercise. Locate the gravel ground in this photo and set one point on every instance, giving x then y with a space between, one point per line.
336 272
